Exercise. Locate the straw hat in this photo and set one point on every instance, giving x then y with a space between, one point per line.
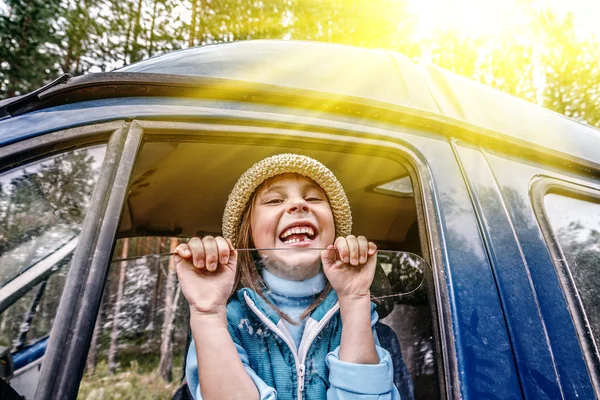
284 164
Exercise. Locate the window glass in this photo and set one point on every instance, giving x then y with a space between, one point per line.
42 208
576 224
141 336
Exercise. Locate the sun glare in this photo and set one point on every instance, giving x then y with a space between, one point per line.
489 17
472 17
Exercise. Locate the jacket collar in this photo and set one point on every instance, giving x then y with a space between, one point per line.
317 314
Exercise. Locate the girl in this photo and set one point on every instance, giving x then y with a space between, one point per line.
300 324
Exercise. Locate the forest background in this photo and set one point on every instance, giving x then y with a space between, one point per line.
533 49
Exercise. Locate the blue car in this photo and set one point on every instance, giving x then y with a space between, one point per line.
486 208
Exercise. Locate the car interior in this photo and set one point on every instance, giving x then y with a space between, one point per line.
181 188
178 190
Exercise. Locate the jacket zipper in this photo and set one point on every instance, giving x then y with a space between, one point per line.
300 355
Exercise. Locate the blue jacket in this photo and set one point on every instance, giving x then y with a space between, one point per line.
314 370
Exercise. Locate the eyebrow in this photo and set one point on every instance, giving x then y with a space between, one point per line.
272 188
275 187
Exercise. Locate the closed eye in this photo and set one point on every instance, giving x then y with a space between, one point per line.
273 201
314 199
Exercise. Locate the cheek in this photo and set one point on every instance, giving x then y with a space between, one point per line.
329 226
263 227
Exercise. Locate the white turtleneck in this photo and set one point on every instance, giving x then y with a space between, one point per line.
293 298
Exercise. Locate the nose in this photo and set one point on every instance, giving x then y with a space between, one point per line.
298 204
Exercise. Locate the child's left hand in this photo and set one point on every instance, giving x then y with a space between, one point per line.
350 274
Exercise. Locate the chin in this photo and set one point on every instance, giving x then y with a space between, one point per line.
297 268
303 274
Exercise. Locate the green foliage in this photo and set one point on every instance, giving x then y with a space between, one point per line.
81 34
572 70
27 45
127 385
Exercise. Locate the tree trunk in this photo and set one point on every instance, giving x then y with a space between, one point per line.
137 28
156 295
151 35
112 351
127 47
166 344
66 67
191 42
90 364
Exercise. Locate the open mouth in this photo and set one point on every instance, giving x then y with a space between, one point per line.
297 234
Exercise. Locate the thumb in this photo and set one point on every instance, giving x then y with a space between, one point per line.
233 254
328 257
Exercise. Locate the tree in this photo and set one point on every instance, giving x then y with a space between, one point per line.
572 78
580 244
114 334
90 364
171 299
28 39
54 192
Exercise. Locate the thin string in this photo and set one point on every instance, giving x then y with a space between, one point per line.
158 255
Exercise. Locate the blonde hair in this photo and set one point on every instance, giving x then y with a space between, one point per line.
248 274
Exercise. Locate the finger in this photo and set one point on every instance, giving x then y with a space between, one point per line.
329 259
372 249
342 248
233 254
328 255
183 251
222 250
197 248
363 249
352 249
211 252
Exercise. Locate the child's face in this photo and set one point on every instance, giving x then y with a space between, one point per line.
292 212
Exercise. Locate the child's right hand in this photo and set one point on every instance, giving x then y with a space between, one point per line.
206 271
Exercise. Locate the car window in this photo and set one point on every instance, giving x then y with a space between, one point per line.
576 224
42 208
178 191
141 330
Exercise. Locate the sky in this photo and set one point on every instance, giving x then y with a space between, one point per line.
481 17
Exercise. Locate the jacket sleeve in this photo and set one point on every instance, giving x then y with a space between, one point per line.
362 381
191 373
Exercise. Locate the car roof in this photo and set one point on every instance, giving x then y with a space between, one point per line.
374 74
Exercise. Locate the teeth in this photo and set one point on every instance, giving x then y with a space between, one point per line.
295 241
296 231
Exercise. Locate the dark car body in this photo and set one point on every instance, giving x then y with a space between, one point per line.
510 322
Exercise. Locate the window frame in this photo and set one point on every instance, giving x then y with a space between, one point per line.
71 336
540 186
39 148
370 141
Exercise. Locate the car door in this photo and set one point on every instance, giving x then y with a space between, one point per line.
471 353
555 354
51 202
